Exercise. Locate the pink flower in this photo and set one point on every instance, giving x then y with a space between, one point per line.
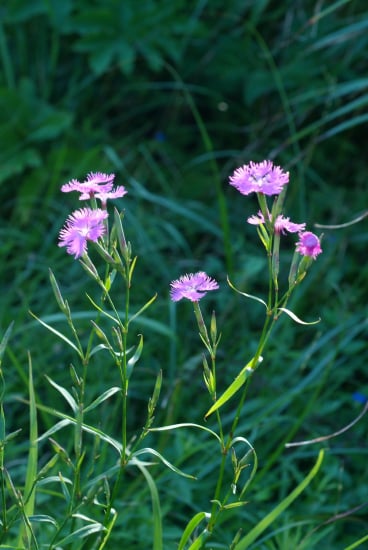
193 286
96 182
81 226
103 196
262 177
282 224
309 245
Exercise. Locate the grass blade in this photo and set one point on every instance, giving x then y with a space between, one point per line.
244 543
31 474
192 525
156 509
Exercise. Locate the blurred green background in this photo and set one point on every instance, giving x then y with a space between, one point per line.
171 96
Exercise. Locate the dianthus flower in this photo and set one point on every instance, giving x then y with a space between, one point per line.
309 245
81 226
192 286
103 196
259 177
96 182
282 224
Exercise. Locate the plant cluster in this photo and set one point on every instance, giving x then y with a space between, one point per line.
172 97
93 495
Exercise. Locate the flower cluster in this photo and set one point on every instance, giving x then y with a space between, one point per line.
264 178
88 224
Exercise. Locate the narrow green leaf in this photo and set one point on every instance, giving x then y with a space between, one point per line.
31 473
89 429
245 294
146 305
192 525
4 341
63 481
12 435
100 347
58 426
246 541
81 533
61 452
108 393
57 333
186 425
57 293
200 541
102 311
109 528
295 318
132 267
156 509
152 402
101 334
242 462
163 460
235 505
53 479
357 543
239 381
263 236
135 358
49 464
67 396
3 437
42 518
120 235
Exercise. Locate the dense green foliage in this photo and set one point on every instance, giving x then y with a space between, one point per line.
171 96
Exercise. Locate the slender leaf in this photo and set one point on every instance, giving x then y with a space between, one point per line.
186 425
156 509
31 474
244 543
67 396
295 318
163 460
143 308
89 429
57 333
5 339
235 386
42 518
246 295
81 533
55 428
102 398
357 543
53 479
192 525
135 358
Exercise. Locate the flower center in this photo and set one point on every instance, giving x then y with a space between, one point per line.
311 241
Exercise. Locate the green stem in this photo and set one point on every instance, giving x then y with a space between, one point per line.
266 331
123 370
